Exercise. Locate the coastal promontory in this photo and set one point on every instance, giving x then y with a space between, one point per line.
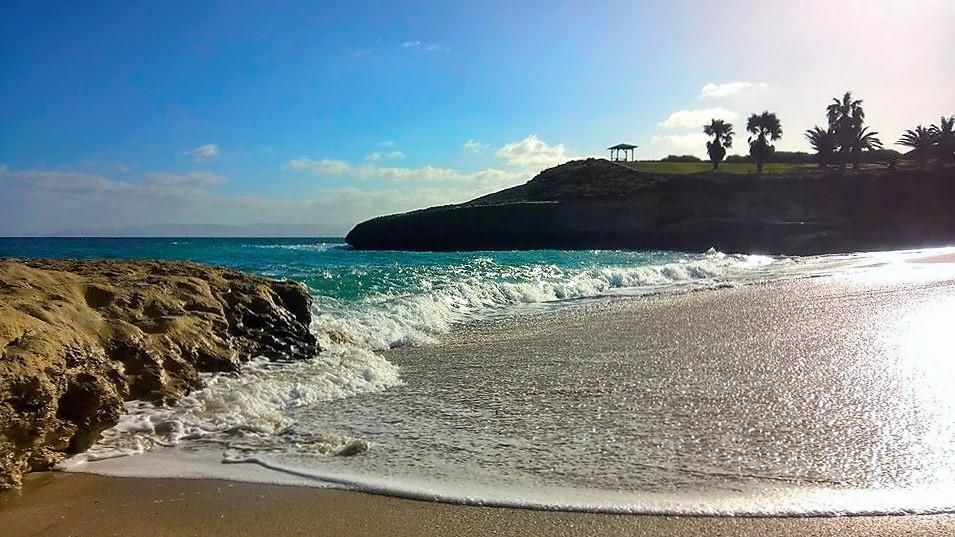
599 204
78 338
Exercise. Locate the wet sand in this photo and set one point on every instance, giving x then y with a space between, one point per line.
57 504
943 258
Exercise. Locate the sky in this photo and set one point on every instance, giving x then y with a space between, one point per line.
304 118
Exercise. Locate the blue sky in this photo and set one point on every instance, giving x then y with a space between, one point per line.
128 116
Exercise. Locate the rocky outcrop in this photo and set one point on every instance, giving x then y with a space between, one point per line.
77 338
595 203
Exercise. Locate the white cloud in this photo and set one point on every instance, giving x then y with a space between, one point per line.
718 91
686 119
387 143
205 152
379 155
521 160
473 146
532 153
693 143
424 173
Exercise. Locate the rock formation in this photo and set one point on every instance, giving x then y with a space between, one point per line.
595 203
77 338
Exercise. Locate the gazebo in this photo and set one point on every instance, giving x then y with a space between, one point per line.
621 152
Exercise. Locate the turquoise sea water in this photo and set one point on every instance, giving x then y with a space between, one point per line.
332 269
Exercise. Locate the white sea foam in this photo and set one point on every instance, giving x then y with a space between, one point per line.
761 501
250 408
389 320
311 247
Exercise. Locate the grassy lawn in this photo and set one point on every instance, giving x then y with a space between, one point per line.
656 166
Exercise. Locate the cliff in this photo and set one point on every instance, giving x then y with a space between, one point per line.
77 338
595 203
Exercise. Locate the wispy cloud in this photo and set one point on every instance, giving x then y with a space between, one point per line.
157 183
473 146
189 179
428 47
718 91
422 174
43 202
205 152
377 155
54 201
686 119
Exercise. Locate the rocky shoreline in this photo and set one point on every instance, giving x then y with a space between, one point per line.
78 338
595 203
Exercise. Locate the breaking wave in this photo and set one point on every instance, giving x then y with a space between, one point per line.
251 411
391 319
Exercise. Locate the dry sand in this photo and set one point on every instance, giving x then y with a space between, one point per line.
73 504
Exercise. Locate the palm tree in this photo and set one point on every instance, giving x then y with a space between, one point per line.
864 140
824 143
921 140
845 110
944 134
845 119
722 133
764 127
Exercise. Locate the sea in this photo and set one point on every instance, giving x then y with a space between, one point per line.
381 410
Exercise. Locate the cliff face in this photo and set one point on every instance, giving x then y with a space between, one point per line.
77 338
595 203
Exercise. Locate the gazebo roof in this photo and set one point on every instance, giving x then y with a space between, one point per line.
623 146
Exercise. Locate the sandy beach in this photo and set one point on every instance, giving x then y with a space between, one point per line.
77 504
57 504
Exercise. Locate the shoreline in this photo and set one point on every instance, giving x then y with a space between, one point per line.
601 323
58 503
53 503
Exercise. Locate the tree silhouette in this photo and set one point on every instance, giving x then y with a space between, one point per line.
764 127
722 133
863 140
921 140
824 143
846 117
944 135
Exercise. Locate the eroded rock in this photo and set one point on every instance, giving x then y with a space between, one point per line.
77 338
